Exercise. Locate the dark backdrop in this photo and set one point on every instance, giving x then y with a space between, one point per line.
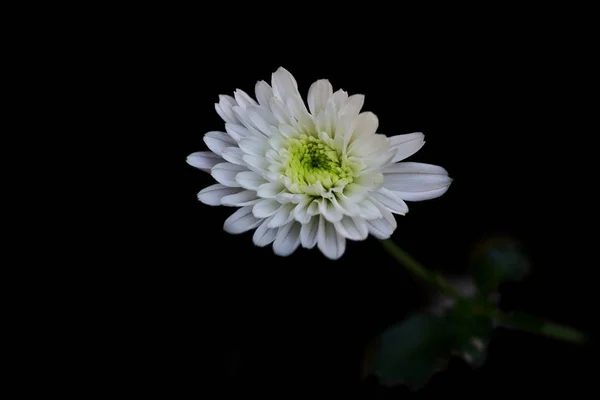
500 114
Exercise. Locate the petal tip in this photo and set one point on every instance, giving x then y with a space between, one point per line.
333 257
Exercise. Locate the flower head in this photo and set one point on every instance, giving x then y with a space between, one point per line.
311 176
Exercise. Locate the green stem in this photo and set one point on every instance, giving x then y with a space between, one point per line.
521 322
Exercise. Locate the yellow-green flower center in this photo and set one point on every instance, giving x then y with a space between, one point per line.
311 160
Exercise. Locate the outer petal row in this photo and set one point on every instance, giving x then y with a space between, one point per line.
288 237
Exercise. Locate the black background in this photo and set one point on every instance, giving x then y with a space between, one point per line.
501 110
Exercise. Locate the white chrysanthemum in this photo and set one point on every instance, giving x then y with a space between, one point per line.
315 176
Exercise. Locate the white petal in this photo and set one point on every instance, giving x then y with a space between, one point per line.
331 211
355 193
352 228
277 142
237 132
366 126
203 160
265 208
244 119
241 221
376 162
316 189
353 105
284 84
382 228
225 108
213 194
264 93
254 146
414 168
387 215
217 141
371 180
324 136
282 216
279 110
298 111
264 235
243 198
343 131
313 207
270 190
285 197
347 205
369 146
308 233
301 211
261 119
319 94
287 240
233 155
415 177
368 210
243 99
249 180
391 200
326 121
256 163
273 157
225 173
330 242
288 131
339 98
406 145
420 196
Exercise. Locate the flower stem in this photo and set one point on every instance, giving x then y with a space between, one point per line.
519 321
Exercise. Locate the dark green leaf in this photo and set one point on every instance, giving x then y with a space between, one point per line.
410 352
496 261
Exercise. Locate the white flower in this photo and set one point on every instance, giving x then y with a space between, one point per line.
315 176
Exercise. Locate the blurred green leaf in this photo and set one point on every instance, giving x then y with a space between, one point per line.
496 261
412 351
